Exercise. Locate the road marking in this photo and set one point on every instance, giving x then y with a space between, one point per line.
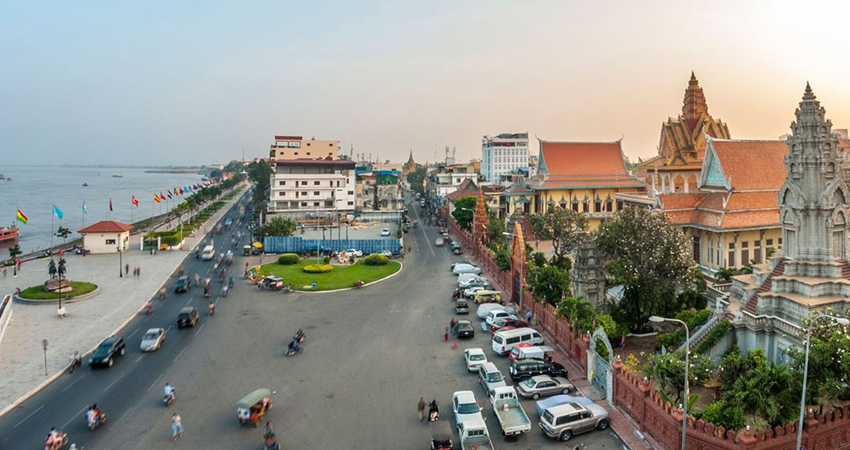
424 233
131 334
189 302
140 358
155 381
27 417
75 382
169 327
113 383
181 353
65 426
122 416
196 334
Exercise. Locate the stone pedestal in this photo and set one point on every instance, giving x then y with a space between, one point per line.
63 285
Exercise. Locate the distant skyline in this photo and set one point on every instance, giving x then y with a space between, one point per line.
188 83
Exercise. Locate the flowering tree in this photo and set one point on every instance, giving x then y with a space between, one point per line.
564 227
829 360
650 258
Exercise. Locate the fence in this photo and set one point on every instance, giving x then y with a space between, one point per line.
297 244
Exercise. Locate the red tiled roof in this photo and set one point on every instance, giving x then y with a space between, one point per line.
106 226
752 165
843 146
722 210
583 158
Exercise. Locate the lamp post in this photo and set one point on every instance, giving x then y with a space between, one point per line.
840 321
658 319
120 259
521 263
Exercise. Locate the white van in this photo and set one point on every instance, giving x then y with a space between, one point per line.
534 352
505 341
209 253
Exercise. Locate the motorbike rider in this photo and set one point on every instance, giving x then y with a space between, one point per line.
212 308
293 347
54 437
230 282
91 414
197 280
433 411
168 391
149 307
299 336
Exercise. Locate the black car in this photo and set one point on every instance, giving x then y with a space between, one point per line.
465 329
182 284
526 368
106 352
187 317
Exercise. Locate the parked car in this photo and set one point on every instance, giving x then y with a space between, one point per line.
507 323
544 385
182 284
564 421
505 340
386 253
532 352
465 407
107 351
474 357
508 410
514 353
489 377
465 268
385 232
498 314
464 329
556 400
487 295
527 368
152 340
187 317
476 281
461 306
484 309
470 292
354 252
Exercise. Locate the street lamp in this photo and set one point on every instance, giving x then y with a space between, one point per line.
840 321
120 259
657 319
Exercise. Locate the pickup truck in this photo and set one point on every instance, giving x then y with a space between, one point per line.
474 435
509 412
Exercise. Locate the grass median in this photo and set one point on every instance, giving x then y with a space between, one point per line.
38 292
342 276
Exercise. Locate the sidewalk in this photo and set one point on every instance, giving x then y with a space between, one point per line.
88 321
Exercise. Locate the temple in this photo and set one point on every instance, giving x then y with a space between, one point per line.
681 147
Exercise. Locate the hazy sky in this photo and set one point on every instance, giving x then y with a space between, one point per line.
183 82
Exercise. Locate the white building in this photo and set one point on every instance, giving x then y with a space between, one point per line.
502 154
304 188
106 236
287 148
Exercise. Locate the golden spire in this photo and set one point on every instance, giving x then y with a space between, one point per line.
694 105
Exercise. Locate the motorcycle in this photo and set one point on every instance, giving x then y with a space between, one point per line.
212 308
292 350
433 411
98 421
76 361
358 284
224 290
149 308
169 399
58 443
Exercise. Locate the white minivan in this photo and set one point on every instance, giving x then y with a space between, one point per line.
505 341
209 253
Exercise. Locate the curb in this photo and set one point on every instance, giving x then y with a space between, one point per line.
27 301
352 288
56 375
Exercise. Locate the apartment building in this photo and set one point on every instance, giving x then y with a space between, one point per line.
287 148
502 154
306 188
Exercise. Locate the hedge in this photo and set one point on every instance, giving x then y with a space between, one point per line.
376 259
675 338
287 259
718 333
317 268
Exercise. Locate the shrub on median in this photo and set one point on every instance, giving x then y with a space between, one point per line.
287 259
376 259
317 268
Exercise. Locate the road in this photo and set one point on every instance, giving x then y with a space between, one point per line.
369 355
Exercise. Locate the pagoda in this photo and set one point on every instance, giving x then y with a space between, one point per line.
410 165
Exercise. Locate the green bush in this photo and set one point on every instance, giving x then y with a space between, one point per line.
327 260
727 415
317 268
287 259
674 339
376 259
718 333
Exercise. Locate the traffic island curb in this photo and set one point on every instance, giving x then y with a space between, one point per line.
92 294
400 268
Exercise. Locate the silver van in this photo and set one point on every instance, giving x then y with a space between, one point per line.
563 421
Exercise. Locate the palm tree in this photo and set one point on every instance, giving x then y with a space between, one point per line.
576 310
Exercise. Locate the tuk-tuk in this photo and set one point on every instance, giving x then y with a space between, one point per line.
441 435
246 250
228 258
253 407
271 282
461 306
257 248
484 296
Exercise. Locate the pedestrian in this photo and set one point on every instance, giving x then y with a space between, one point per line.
452 325
421 408
126 269
4 271
176 427
140 271
446 335
528 315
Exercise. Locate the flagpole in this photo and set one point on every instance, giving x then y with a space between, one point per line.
131 210
52 213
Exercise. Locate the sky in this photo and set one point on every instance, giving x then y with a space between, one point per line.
196 82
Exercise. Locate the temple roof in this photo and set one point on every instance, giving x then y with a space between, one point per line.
583 164
467 188
747 164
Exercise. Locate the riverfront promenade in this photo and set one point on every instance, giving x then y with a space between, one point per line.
88 321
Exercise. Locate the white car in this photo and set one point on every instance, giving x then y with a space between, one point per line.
474 357
465 268
465 407
152 340
386 253
485 309
470 292
354 252
498 314
385 232
479 281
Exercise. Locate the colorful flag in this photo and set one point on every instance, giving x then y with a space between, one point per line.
155 197
135 201
161 197
623 341
110 203
175 191
594 322
58 212
169 194
21 217
85 210
181 191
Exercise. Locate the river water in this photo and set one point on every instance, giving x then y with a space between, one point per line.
36 189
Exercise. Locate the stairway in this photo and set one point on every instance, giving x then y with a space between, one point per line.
750 307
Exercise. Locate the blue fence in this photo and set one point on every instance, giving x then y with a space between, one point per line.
297 244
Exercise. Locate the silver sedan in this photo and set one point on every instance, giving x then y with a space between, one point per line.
153 340
543 385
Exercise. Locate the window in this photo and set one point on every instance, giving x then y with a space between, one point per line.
619 205
110 242
350 192
769 242
315 203
315 192
745 244
780 241
316 183
304 193
282 194
350 203
308 144
282 183
731 246
303 203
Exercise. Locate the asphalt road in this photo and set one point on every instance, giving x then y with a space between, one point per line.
369 355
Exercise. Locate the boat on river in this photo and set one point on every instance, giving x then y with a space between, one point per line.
8 234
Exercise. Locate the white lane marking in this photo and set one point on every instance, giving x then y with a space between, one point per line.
155 381
75 382
180 354
115 381
122 416
27 417
169 328
65 426
189 302
424 233
131 334
196 333
140 358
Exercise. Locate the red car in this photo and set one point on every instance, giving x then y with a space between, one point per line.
514 354
500 324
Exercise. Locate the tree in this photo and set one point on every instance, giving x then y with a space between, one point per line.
416 179
725 274
503 260
259 172
669 371
495 228
650 258
277 226
15 251
564 227
550 284
63 233
464 212
829 362
576 309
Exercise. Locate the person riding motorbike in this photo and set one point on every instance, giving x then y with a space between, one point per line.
168 392
230 282
299 336
180 271
162 294
212 308
149 307
433 410
293 348
197 280
93 415
54 438
224 290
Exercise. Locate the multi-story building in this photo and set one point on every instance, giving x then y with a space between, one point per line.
379 195
312 188
287 148
443 180
505 153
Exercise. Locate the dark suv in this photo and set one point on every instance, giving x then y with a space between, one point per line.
182 284
526 368
105 353
187 317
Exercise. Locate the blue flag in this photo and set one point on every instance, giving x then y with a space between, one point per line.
57 212
85 210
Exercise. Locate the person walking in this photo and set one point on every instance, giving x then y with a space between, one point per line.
176 427
446 335
452 326
126 269
421 408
